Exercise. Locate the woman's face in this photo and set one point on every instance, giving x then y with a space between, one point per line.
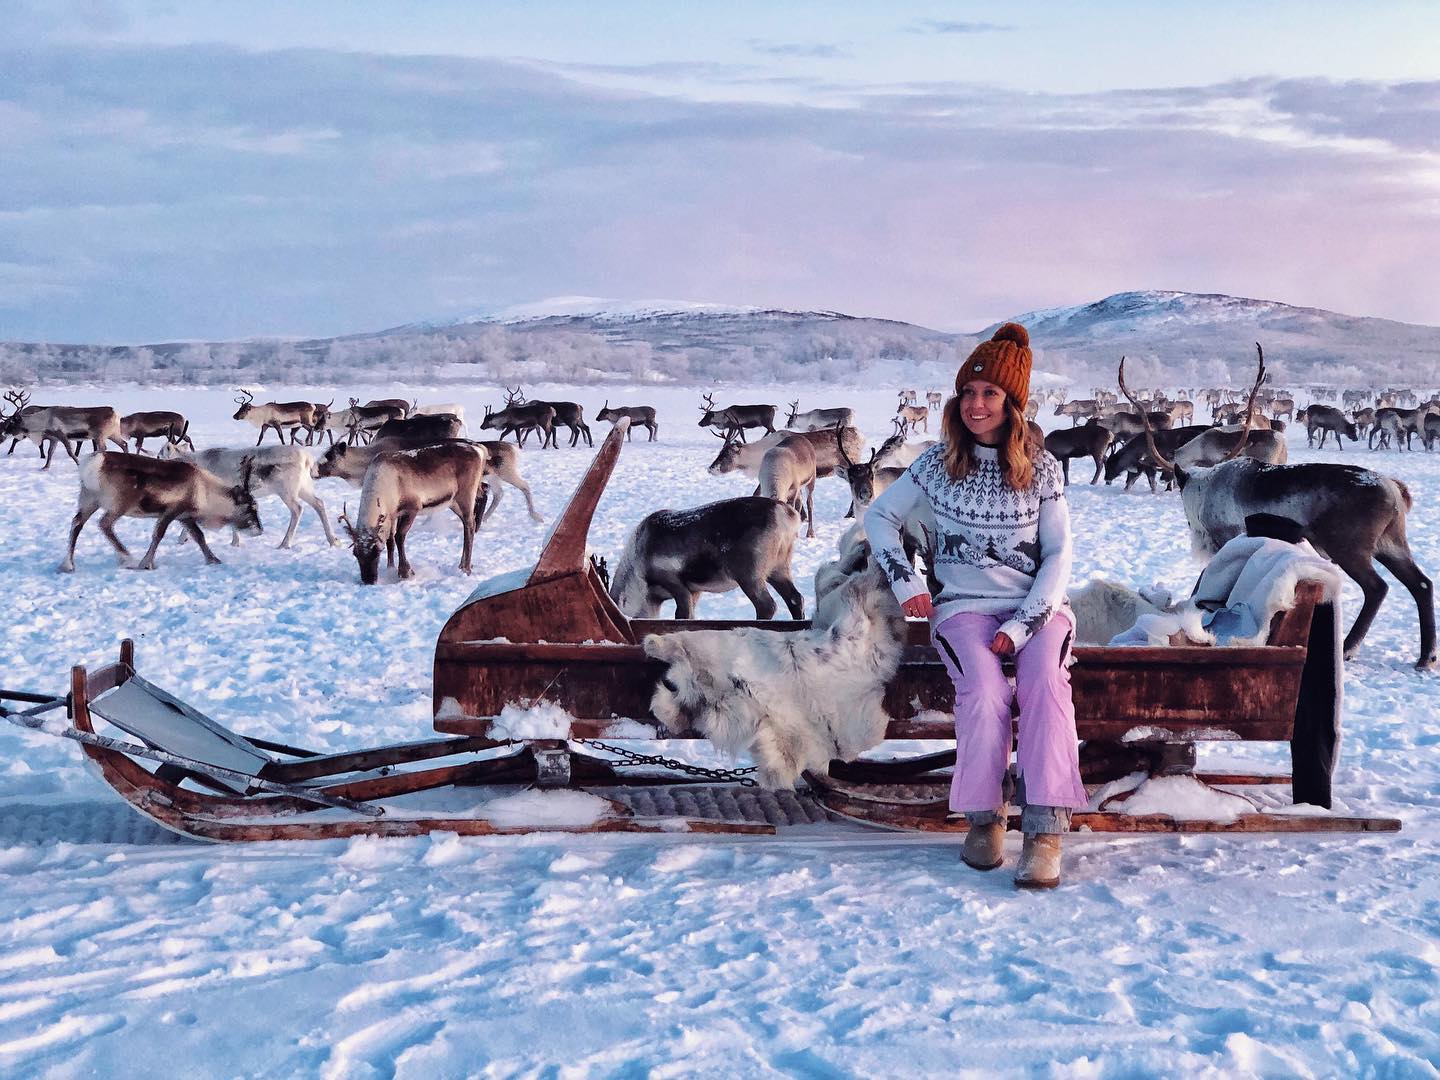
982 407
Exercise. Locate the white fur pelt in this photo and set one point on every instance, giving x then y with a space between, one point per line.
790 701
1103 610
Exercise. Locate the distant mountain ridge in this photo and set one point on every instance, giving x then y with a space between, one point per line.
1170 337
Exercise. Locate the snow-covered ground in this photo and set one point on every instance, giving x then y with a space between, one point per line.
124 951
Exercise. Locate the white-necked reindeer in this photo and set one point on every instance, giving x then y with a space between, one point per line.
1354 516
399 485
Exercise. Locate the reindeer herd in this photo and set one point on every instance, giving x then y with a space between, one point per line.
407 459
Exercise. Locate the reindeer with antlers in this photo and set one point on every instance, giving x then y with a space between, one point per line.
1354 516
520 417
289 416
737 419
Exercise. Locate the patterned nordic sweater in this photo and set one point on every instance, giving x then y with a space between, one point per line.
997 551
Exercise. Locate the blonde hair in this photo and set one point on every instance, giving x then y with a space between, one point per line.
1018 447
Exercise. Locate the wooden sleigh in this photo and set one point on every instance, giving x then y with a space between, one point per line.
554 636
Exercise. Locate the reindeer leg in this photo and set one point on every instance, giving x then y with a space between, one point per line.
524 489
294 508
467 541
196 534
683 597
810 511
781 583
759 595
1374 588
319 508
147 562
234 536
402 528
83 513
1402 565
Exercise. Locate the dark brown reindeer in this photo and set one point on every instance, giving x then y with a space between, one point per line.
133 485
170 426
520 419
365 420
60 425
289 416
1354 516
398 485
737 418
1090 440
638 415
420 429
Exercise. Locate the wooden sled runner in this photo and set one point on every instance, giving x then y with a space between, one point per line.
557 636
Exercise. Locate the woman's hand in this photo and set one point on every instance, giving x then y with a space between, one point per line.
918 607
1002 645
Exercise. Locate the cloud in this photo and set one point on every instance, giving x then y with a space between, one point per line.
207 192
811 51
946 26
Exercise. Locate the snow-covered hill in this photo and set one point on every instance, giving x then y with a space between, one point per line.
1171 338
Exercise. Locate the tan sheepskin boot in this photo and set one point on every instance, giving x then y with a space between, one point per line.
1039 862
984 846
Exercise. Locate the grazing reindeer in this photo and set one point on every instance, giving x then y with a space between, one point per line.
1353 515
737 418
735 543
519 419
502 464
398 485
1402 424
132 485
1364 421
638 415
746 457
787 474
1090 441
818 419
287 472
1134 458
934 399
908 397
282 416
170 426
914 417
1327 420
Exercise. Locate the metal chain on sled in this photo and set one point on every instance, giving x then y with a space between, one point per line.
738 776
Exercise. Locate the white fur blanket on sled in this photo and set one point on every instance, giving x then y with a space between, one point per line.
789 700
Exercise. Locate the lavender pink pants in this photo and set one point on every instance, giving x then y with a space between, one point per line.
1047 762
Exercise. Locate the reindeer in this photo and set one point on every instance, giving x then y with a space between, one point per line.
1282 406
320 423
1032 408
638 415
1327 420
1083 407
744 457
1352 515
1355 398
1090 441
1182 412
282 416
569 414
1364 421
398 485
866 479
914 417
896 452
818 419
365 420
735 543
502 464
1401 423
133 485
908 397
287 472
787 474
1133 458
13 424
418 430
737 418
62 425
935 400
170 426
448 408
517 418
1128 424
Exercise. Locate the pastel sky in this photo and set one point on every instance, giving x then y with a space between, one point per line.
208 170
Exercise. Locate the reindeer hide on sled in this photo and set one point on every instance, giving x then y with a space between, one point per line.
789 701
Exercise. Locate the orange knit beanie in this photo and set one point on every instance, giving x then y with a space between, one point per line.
1003 360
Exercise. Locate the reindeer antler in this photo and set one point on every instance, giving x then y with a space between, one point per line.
1260 377
840 446
247 399
1160 459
